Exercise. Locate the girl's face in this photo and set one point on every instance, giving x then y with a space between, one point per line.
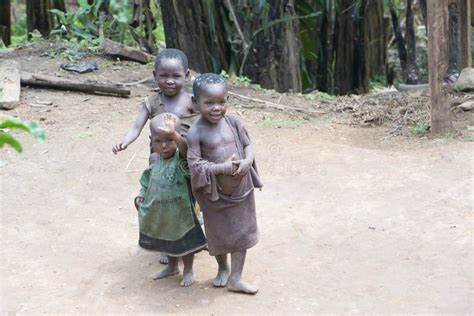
212 102
170 76
162 145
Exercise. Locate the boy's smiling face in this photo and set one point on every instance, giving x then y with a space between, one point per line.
212 102
170 76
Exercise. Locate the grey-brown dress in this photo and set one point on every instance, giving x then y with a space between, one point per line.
230 221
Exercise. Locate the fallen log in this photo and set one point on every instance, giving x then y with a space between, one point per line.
115 49
277 106
9 84
42 81
413 87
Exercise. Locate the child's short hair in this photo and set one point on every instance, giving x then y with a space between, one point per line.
158 121
172 53
206 79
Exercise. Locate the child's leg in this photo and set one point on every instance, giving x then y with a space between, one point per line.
171 269
235 280
188 275
163 258
223 272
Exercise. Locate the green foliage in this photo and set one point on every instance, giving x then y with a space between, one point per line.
121 13
243 80
27 126
83 23
421 128
19 33
377 81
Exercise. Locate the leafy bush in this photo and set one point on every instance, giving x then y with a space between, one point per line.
27 126
421 128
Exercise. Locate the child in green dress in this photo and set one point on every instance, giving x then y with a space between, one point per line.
167 221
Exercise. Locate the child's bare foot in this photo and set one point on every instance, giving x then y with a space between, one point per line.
166 272
188 278
221 278
241 286
163 258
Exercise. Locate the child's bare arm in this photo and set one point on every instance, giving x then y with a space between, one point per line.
170 129
245 164
134 131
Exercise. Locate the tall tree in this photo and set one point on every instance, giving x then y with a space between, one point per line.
465 33
374 37
274 51
344 47
38 16
5 21
197 28
437 64
399 39
258 40
413 72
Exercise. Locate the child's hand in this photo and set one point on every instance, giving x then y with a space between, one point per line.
119 147
170 125
243 166
138 201
229 167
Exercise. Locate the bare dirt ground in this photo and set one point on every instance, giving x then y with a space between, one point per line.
352 221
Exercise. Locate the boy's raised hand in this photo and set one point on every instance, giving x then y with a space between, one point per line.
119 147
170 124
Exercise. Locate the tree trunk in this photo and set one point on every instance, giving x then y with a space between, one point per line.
322 75
437 64
5 21
453 37
374 37
273 59
196 28
402 51
423 13
59 5
344 47
465 34
38 16
413 73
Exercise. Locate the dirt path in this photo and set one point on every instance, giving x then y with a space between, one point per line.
350 221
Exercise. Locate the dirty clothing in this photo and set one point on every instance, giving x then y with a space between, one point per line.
167 221
229 220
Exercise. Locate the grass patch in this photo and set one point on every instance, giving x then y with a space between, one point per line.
420 128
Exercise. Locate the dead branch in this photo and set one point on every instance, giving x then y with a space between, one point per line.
280 107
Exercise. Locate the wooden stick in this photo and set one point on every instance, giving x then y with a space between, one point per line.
130 161
9 84
279 107
41 81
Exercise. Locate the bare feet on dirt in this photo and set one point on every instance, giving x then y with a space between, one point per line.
240 286
221 278
188 278
166 272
